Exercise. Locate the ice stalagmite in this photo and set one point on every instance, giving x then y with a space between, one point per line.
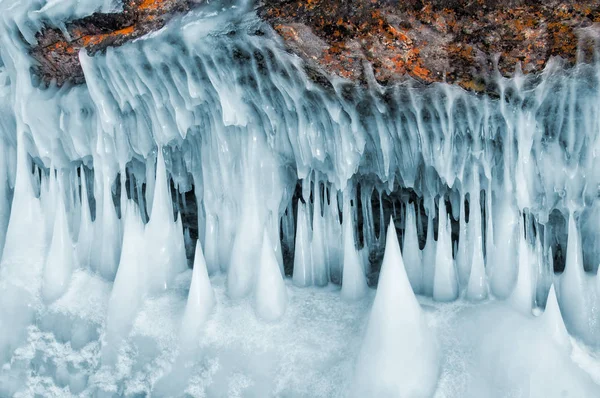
163 236
107 231
200 302
354 283
211 245
318 247
463 254
85 237
477 289
428 256
554 321
504 271
4 200
302 257
245 252
61 259
270 298
128 289
23 257
523 294
411 252
445 283
399 356
572 283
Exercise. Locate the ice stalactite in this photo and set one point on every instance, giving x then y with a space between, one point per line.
399 355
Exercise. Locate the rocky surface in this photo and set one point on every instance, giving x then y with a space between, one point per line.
458 41
461 41
57 53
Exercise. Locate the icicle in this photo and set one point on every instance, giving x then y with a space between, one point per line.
200 303
302 256
445 283
428 257
61 260
128 289
271 293
411 252
319 255
477 289
554 321
354 283
399 355
523 294
571 285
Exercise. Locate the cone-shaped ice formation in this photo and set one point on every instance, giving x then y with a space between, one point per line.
504 271
211 245
61 259
428 257
4 199
445 283
106 248
245 252
319 254
200 303
354 283
303 257
554 321
523 294
571 283
163 236
270 298
464 252
477 289
128 289
399 356
85 237
411 252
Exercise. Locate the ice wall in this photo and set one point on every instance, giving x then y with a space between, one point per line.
212 104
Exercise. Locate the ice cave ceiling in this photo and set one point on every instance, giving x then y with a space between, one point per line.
299 198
